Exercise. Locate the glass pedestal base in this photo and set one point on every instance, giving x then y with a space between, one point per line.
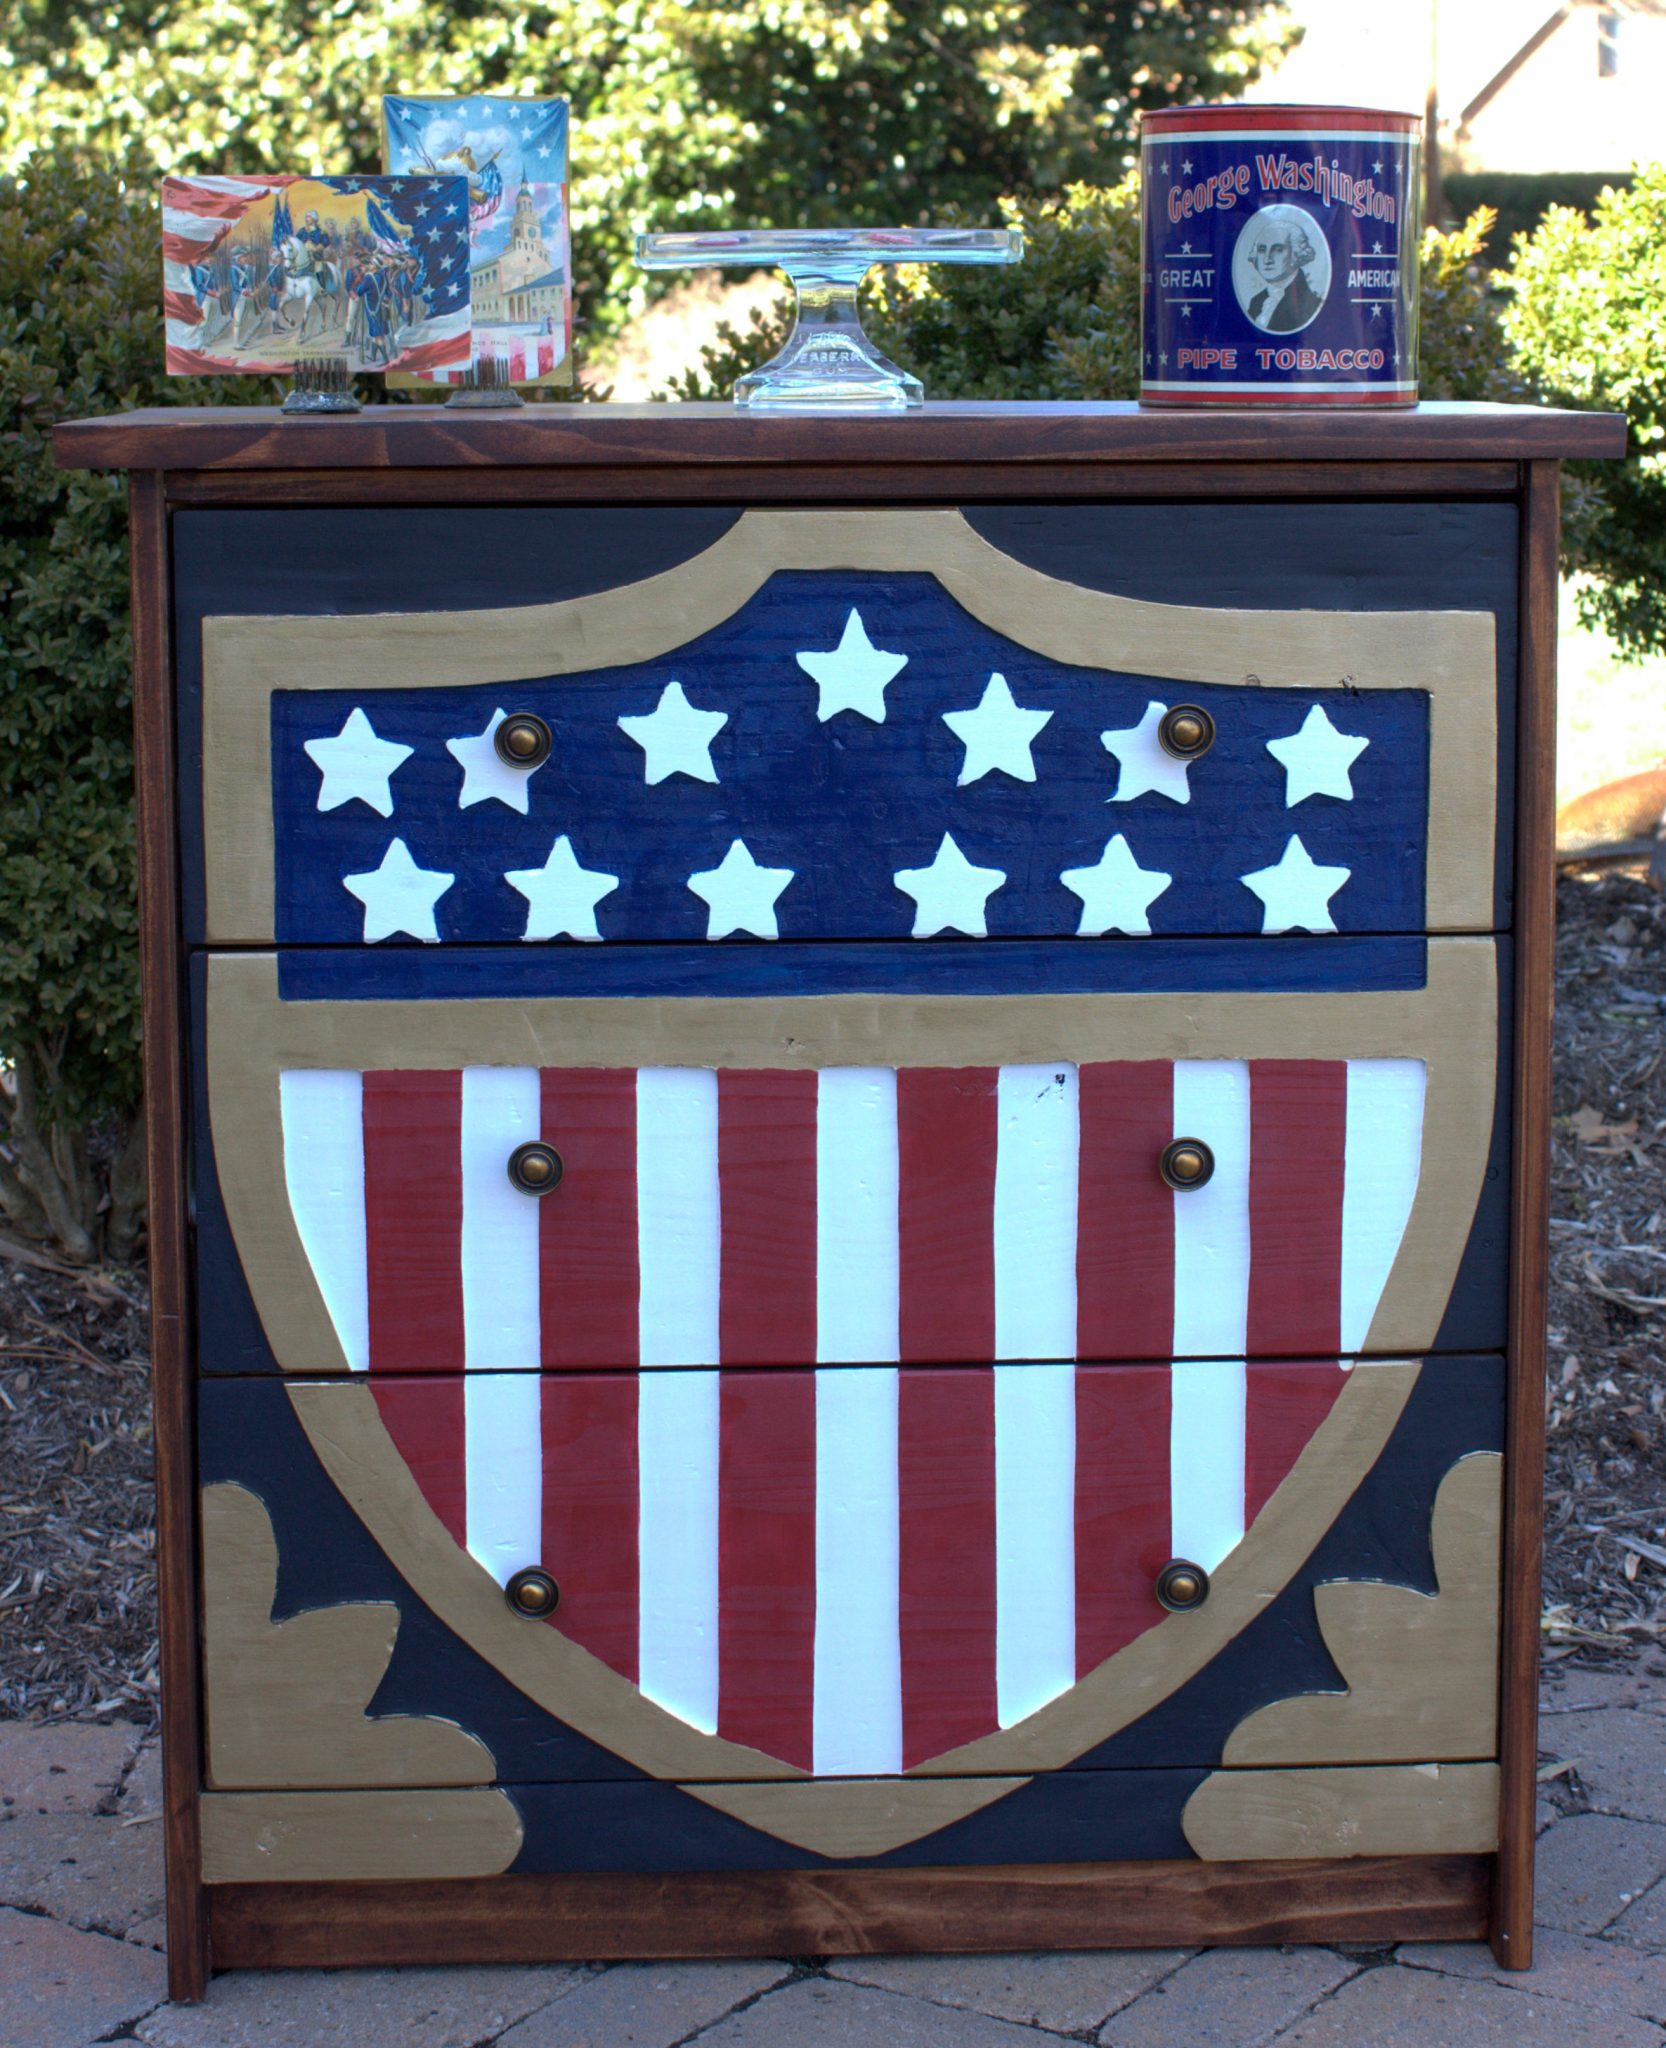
828 363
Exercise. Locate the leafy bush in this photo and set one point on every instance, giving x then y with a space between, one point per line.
1587 320
686 113
80 332
1066 322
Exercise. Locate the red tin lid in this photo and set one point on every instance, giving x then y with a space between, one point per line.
1163 120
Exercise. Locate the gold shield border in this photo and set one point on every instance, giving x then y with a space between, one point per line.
1451 655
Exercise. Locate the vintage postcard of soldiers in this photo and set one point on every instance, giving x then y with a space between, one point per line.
260 271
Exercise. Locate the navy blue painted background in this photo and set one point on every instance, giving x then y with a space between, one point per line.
846 803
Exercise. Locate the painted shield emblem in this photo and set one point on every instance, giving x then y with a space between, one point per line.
862 1367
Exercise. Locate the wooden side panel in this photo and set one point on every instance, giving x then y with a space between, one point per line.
162 969
1512 1916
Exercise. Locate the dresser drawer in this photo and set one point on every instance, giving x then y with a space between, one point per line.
826 725
863 1611
848 1178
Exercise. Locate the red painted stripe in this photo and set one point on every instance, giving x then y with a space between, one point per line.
1285 394
767 1563
413 1212
182 307
1125 1211
425 1419
946 1123
766 1170
1285 1405
588 1282
591 1511
1298 1142
946 1580
1122 1505
433 355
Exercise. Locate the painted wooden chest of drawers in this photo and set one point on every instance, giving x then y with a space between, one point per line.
848 1128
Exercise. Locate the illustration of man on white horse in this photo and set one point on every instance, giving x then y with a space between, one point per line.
312 279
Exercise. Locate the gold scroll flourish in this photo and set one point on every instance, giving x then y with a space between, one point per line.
1421 1669
286 1700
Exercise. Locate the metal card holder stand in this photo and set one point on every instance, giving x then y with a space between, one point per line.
321 384
486 385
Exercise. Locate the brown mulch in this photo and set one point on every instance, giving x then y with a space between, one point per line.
1605 1562
77 1591
77 1547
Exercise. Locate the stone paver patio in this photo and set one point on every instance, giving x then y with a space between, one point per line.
81 1933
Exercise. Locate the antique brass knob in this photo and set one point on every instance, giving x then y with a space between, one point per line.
1181 1585
535 1169
533 1592
523 740
1186 1164
1186 732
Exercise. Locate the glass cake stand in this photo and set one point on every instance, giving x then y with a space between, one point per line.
828 362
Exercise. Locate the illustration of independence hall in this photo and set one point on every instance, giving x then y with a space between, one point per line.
525 283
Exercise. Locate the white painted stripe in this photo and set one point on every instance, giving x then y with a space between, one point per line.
858 1697
677 1451
192 227
1212 1223
182 333
323 1164
1035 1537
502 1431
501 1109
1206 1458
1037 1144
856 1215
1383 1156
678 1216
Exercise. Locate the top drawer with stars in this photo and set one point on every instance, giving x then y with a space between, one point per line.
826 726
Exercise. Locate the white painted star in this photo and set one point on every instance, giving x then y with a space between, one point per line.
951 894
997 735
675 738
1186 168
561 896
1145 762
355 763
1316 759
485 772
739 894
1378 169
1185 248
853 675
1116 892
399 896
1296 892
1376 248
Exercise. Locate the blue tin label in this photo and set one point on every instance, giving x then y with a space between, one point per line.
1280 261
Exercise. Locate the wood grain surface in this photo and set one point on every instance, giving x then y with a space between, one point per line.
1131 1905
384 436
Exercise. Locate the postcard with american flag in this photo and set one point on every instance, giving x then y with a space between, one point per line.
259 271
514 154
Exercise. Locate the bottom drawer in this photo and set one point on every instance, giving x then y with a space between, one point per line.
855 1612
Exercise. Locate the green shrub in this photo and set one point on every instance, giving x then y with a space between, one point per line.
80 332
1066 322
1587 320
